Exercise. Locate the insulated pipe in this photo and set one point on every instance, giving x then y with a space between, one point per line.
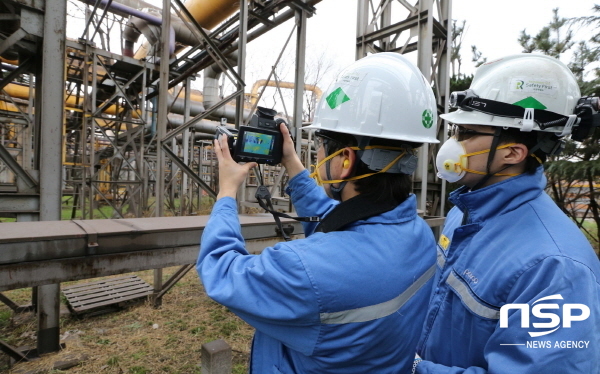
133 29
137 4
16 121
204 126
177 105
210 13
183 34
121 9
22 92
7 66
211 92
205 129
7 61
264 82
135 26
197 137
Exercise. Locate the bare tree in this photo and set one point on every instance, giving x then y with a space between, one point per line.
458 33
316 69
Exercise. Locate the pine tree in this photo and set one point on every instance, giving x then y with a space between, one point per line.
574 176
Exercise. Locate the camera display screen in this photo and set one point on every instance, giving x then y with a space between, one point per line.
258 143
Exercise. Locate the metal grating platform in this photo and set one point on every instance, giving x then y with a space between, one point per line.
83 297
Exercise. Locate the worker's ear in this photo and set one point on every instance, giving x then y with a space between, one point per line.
515 154
348 163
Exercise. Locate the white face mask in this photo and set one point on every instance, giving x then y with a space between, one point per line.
450 161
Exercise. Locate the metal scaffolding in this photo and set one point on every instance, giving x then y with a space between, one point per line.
87 133
421 28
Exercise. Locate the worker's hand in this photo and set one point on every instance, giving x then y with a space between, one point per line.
289 159
231 174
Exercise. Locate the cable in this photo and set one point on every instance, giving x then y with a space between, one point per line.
263 196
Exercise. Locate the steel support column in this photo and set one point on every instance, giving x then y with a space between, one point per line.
161 127
241 64
423 33
50 151
299 76
163 92
424 57
443 91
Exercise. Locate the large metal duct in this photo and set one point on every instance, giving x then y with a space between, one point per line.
137 26
210 13
177 105
211 92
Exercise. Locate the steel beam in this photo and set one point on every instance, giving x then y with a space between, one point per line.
39 253
12 39
23 68
189 172
19 203
16 168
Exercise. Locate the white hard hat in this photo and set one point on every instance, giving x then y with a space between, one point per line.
382 95
541 90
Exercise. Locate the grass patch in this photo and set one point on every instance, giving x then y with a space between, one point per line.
139 339
103 210
590 230
5 316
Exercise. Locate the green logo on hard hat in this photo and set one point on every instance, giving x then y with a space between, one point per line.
427 118
336 98
520 85
530 102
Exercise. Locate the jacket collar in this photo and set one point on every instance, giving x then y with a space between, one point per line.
404 212
499 198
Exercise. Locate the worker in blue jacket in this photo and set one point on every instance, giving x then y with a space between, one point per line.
351 296
517 287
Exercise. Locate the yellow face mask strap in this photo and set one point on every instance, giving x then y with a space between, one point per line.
537 158
389 166
482 152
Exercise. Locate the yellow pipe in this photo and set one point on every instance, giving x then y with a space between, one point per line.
22 92
263 82
210 13
193 97
12 62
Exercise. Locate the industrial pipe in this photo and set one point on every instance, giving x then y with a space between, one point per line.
121 9
211 92
264 82
210 13
71 102
137 26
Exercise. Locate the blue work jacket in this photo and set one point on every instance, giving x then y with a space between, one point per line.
509 243
349 301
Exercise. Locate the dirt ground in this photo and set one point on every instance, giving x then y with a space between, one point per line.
139 339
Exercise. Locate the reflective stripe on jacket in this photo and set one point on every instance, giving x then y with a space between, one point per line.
350 301
516 247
